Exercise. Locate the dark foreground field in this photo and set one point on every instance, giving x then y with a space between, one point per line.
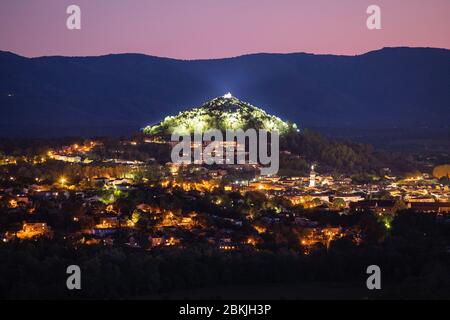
298 291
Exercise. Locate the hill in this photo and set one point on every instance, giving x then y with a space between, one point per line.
223 113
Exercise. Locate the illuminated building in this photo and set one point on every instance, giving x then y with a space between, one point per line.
312 178
33 230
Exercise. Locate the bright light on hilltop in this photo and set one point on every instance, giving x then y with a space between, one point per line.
228 95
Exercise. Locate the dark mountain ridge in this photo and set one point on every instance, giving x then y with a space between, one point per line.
118 94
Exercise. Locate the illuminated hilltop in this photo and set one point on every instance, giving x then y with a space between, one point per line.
223 113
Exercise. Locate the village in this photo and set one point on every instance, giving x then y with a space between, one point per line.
143 204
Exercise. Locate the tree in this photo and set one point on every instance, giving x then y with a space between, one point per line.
338 204
135 217
374 231
398 206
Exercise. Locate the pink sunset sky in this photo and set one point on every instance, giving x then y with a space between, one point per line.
197 29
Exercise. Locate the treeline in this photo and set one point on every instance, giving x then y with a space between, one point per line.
109 148
142 152
33 146
413 260
339 156
51 171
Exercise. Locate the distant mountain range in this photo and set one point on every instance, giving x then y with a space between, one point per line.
119 94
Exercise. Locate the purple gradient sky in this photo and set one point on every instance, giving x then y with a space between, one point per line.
192 29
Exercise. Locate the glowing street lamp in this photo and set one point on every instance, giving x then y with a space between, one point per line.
63 181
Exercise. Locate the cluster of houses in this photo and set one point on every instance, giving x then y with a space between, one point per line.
421 193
